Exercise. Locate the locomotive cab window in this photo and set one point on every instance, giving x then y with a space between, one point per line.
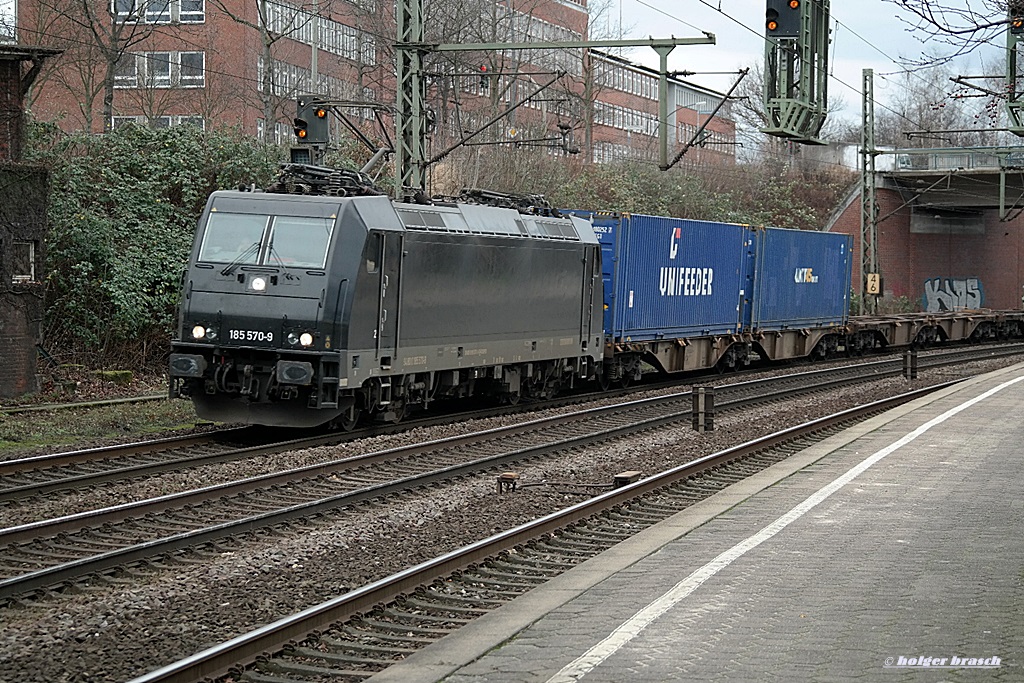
252 239
299 242
233 238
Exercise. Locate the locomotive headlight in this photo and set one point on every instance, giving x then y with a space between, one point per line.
258 284
306 339
211 333
293 338
198 332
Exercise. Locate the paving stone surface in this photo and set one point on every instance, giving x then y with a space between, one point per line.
921 555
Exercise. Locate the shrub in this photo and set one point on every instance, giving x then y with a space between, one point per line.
122 215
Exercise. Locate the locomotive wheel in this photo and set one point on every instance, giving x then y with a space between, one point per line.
512 398
398 409
349 419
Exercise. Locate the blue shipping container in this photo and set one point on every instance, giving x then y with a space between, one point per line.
802 279
668 277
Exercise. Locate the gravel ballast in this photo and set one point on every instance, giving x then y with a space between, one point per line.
116 631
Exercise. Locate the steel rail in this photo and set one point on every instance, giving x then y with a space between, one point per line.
805 381
51 407
43 578
243 650
25 465
679 408
68 571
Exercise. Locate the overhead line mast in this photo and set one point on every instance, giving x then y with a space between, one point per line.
796 69
410 118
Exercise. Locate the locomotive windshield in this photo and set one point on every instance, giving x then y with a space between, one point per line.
253 239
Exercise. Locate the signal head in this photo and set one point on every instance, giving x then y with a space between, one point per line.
783 18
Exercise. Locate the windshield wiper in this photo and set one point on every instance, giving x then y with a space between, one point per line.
230 268
277 257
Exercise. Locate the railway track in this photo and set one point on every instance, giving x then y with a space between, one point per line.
52 553
40 475
366 630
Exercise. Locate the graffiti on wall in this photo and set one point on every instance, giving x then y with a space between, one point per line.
952 294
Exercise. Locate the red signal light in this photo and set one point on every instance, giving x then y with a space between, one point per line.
793 4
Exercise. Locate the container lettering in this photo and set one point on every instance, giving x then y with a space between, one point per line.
686 281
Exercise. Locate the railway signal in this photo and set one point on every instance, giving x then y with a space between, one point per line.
1017 25
783 18
311 124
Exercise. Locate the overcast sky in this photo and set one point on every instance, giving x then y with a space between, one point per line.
865 34
7 16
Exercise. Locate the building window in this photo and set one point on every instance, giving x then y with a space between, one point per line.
160 11
158 69
23 268
126 72
125 9
161 70
164 121
192 69
192 11
341 39
197 121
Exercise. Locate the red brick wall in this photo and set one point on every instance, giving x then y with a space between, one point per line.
24 193
10 110
907 260
17 352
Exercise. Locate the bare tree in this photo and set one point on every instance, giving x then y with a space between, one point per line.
948 30
96 36
8 21
749 112
929 110
273 22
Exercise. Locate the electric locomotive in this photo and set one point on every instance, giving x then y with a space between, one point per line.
301 310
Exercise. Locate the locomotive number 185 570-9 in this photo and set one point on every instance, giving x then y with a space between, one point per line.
250 335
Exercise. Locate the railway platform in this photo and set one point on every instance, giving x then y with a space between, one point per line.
889 552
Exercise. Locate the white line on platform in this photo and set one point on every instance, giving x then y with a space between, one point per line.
633 626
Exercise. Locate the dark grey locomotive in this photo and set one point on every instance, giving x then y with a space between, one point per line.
302 310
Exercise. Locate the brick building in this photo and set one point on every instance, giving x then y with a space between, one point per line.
941 259
222 63
24 193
